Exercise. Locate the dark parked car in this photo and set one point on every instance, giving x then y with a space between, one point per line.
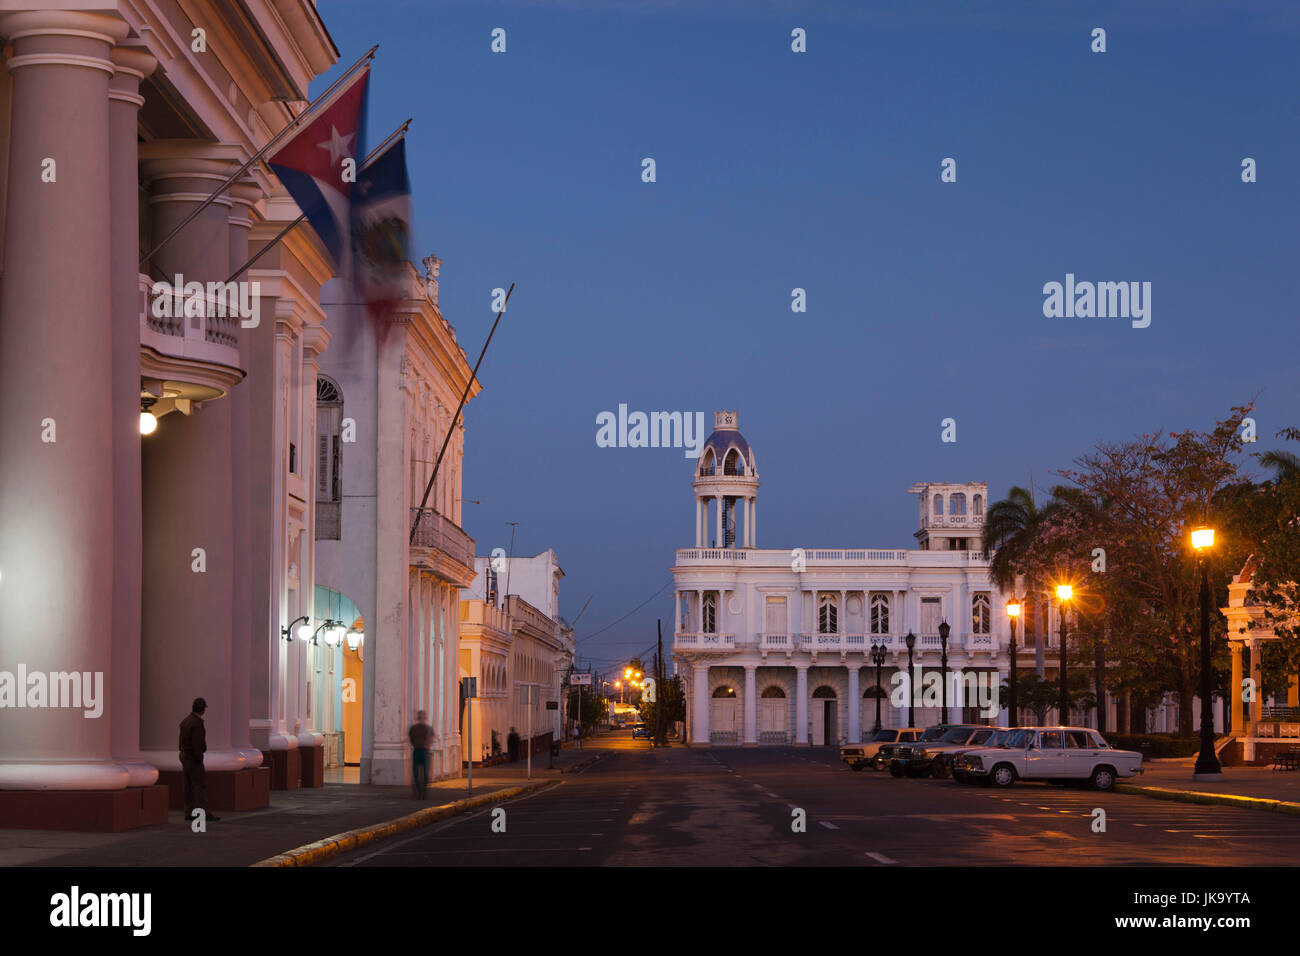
641 730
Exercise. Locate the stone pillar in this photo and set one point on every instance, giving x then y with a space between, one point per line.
753 516
751 707
1257 678
188 620
1234 690
1293 691
801 706
700 730
132 65
56 384
249 640
677 611
855 705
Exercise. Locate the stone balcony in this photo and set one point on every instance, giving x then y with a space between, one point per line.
927 646
804 559
440 545
194 357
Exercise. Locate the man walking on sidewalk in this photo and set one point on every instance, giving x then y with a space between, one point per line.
193 745
421 735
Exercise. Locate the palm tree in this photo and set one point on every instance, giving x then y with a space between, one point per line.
1285 464
1010 528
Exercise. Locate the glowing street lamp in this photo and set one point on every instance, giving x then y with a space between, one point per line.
1013 614
1207 762
1063 594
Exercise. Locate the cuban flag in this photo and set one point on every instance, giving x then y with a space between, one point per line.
381 232
319 165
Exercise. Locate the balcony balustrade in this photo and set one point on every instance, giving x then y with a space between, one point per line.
437 532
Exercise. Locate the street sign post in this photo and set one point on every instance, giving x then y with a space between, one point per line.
469 689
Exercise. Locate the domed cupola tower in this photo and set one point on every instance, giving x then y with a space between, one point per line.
726 474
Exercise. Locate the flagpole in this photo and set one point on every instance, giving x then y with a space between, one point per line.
258 155
419 513
370 158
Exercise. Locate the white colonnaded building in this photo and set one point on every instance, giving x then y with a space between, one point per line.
776 645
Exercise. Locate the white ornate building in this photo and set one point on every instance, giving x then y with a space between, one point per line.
776 645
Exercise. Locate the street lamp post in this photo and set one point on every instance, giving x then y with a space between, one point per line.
944 630
1063 593
911 690
878 658
1207 762
1013 613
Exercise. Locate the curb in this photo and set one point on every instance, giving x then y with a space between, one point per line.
351 839
581 765
1221 799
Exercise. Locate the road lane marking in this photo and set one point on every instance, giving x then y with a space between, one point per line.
774 796
828 825
880 857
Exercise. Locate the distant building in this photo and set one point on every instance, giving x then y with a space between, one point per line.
518 647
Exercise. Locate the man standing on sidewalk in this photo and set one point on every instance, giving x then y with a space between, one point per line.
421 735
193 745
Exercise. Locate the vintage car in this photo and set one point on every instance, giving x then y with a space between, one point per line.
860 756
1053 753
927 759
956 759
887 752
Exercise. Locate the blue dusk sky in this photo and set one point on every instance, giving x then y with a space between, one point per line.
821 171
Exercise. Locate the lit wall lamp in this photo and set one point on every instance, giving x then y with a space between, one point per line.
355 639
303 632
148 421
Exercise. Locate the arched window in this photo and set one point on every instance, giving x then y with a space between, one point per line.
724 691
957 504
980 613
329 479
734 465
938 504
773 691
880 614
710 613
824 692
978 505
707 463
827 615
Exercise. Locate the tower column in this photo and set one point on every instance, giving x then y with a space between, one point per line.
132 64
56 386
701 695
855 704
751 707
187 616
718 542
801 706
1234 689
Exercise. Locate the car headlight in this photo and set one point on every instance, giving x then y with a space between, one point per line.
918 752
975 763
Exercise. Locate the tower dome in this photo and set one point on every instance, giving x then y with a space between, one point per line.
726 473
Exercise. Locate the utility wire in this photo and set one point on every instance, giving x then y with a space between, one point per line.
625 616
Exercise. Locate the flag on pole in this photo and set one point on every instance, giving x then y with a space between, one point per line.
381 231
319 165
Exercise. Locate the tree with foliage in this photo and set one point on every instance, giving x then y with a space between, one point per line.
595 709
1010 528
673 698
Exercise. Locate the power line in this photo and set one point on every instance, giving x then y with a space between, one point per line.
627 615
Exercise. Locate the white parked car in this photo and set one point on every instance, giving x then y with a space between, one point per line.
1053 753
868 754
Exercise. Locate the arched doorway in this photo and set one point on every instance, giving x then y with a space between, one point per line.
867 720
338 656
724 716
773 716
824 706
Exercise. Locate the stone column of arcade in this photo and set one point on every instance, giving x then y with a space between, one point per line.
56 426
1238 726
248 639
700 697
751 707
188 618
133 63
801 706
854 705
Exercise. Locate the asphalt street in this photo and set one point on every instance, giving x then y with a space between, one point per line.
637 806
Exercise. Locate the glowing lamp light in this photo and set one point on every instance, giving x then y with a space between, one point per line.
1064 591
148 423
1013 608
1202 538
304 632
355 639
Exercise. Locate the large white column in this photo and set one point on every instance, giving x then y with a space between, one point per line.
751 707
188 619
56 388
132 64
855 705
249 639
801 706
700 695
1238 727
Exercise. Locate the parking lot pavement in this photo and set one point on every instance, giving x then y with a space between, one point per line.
801 806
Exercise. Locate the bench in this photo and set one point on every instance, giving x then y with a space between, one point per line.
1287 759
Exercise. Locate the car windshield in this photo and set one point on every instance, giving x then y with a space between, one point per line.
934 733
958 735
997 738
884 736
1019 739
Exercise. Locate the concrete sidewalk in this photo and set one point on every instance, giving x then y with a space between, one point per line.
296 818
1256 788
